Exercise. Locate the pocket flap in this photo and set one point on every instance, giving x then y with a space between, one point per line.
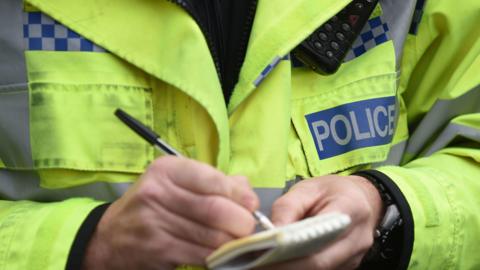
349 118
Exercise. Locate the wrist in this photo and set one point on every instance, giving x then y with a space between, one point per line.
95 254
85 239
394 235
373 197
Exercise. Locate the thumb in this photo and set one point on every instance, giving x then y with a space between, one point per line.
293 206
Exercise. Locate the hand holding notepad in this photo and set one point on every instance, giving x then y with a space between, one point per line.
291 241
294 240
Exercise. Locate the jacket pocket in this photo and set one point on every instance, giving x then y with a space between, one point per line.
349 118
73 96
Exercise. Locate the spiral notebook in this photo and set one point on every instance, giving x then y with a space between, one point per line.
294 240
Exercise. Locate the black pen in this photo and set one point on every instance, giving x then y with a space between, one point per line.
154 139
146 133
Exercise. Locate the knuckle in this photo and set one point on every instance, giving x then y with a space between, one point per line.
148 192
282 203
223 187
162 163
243 180
213 209
215 238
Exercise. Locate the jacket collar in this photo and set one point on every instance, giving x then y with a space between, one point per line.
161 39
278 27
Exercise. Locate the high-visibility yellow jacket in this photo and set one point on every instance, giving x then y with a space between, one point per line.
406 103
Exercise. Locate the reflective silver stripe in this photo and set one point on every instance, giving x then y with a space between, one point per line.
14 105
267 70
440 114
394 156
291 183
267 197
398 14
396 152
451 132
15 148
12 60
24 185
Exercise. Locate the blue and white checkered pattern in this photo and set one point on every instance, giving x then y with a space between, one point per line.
417 17
269 69
42 33
374 33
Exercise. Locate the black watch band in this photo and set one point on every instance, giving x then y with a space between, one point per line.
391 219
393 241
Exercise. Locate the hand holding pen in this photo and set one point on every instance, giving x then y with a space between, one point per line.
161 145
177 212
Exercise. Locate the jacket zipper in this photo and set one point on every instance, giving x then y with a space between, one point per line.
247 29
214 33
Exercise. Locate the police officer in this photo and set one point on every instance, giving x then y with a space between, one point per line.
390 139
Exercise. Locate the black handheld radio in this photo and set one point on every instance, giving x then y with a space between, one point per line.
324 50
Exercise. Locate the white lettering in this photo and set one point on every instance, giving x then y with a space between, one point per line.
370 122
376 112
356 129
322 136
391 119
348 127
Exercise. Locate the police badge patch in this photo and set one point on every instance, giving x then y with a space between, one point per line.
352 126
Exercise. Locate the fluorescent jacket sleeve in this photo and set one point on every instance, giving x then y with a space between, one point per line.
39 235
444 204
440 173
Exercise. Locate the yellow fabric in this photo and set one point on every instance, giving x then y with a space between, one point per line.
166 55
72 122
276 30
377 11
442 63
469 120
312 93
165 76
184 123
29 8
259 131
39 235
445 210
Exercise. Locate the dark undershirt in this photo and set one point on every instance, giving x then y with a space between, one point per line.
227 25
236 24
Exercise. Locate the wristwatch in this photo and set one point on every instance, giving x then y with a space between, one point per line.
382 248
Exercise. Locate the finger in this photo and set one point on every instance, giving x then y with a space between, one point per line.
191 231
254 200
347 250
203 179
294 205
210 210
331 257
